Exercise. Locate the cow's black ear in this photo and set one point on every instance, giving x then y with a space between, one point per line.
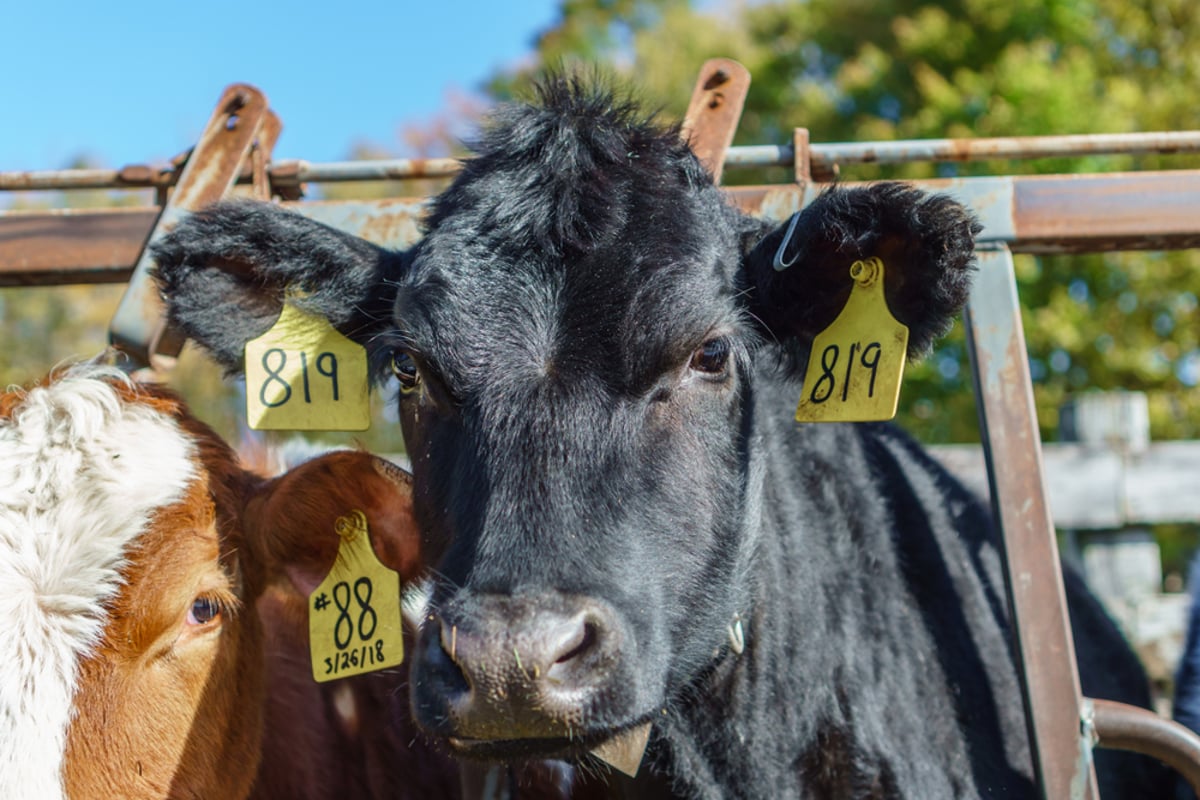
799 273
224 273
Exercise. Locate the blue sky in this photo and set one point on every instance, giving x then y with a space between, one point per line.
135 82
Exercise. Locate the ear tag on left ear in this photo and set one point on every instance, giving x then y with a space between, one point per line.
855 365
354 622
303 375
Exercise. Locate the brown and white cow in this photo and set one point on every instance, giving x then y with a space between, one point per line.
153 597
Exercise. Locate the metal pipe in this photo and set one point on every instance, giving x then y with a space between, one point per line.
380 170
49 180
1019 147
823 156
1125 727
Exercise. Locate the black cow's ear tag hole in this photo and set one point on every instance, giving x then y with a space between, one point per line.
855 365
625 751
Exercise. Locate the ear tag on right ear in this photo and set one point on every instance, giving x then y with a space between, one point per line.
855 365
303 375
354 622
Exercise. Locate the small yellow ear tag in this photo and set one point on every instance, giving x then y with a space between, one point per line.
303 375
354 623
856 363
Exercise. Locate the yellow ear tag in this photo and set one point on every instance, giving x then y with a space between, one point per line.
856 363
354 623
303 375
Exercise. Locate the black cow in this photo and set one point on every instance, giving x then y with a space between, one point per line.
598 365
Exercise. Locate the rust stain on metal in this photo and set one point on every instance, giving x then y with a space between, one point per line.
718 78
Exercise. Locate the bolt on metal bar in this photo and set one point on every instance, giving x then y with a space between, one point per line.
822 156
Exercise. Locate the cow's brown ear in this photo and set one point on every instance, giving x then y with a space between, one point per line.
291 522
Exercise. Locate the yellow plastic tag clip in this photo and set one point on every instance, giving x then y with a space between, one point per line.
303 375
354 622
855 366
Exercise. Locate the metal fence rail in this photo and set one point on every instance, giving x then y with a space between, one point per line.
821 156
1030 214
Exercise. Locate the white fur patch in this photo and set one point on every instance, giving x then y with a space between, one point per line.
80 474
414 602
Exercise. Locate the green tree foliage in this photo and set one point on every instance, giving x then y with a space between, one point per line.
854 70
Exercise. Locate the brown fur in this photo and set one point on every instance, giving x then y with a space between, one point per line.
229 709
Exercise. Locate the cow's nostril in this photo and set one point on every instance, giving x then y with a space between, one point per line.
444 658
579 645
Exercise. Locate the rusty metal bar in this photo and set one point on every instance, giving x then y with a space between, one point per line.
822 157
1032 214
290 172
390 169
1124 727
48 248
134 177
1009 430
139 326
1006 148
715 110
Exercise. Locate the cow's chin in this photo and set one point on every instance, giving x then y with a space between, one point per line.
572 748
509 750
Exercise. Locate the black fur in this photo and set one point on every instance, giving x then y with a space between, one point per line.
576 453
925 242
235 260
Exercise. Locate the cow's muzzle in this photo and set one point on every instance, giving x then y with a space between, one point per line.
502 668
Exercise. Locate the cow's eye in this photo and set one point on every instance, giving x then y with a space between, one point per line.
203 611
712 357
406 372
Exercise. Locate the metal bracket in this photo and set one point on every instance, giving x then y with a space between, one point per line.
715 110
139 328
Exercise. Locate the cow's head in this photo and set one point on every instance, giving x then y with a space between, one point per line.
578 339
133 553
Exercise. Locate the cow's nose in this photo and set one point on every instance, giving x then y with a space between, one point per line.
549 645
505 667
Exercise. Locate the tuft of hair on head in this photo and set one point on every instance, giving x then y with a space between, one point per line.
558 169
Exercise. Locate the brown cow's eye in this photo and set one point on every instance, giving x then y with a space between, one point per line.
405 370
712 357
203 611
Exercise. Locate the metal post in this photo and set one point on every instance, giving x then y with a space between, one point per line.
715 110
139 327
1012 448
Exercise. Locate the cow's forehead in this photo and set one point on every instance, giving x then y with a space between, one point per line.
579 223
81 472
652 287
614 313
